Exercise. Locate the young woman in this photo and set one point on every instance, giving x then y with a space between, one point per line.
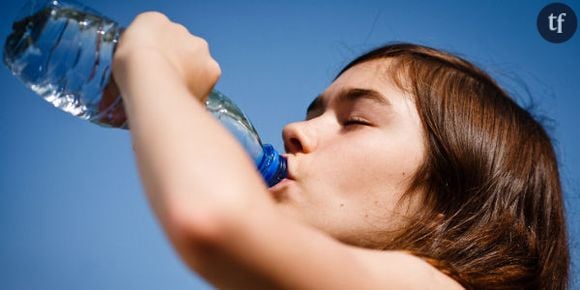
413 170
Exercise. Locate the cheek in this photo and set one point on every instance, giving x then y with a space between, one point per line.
371 168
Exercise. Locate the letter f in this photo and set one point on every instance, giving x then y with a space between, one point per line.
560 20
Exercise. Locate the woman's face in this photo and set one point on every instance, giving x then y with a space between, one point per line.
353 157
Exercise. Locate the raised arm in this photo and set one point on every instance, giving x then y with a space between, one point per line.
213 205
187 161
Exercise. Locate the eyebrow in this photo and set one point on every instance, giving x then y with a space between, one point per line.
349 95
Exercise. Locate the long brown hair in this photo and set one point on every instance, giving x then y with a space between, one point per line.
492 215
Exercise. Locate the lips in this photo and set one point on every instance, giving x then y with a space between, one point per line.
289 167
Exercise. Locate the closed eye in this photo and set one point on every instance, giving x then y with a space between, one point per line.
356 121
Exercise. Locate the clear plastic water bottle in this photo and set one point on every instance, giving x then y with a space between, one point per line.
63 51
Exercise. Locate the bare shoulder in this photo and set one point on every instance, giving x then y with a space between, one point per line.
406 270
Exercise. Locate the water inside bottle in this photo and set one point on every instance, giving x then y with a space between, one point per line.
231 117
65 56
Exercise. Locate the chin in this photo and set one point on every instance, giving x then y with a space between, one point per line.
280 191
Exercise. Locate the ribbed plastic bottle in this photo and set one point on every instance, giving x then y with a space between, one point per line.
63 51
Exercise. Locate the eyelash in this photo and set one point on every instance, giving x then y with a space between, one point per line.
356 121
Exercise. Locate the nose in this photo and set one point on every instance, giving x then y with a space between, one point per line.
298 138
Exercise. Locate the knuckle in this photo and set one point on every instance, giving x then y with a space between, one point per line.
152 16
202 42
199 46
214 68
180 28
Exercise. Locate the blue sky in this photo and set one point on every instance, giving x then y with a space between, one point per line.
72 210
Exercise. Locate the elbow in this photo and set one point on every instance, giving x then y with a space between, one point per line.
197 226
193 234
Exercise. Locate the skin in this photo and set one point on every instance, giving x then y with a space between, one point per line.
239 234
352 158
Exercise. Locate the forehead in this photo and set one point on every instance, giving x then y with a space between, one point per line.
372 75
364 70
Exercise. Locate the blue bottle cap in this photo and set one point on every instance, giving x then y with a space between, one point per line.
273 166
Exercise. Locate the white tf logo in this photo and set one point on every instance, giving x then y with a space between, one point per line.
557 22
558 19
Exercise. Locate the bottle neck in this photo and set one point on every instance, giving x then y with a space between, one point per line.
273 166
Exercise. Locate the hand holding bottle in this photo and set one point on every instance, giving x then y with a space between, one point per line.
153 42
63 51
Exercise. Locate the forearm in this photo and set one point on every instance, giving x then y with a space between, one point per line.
187 160
202 185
